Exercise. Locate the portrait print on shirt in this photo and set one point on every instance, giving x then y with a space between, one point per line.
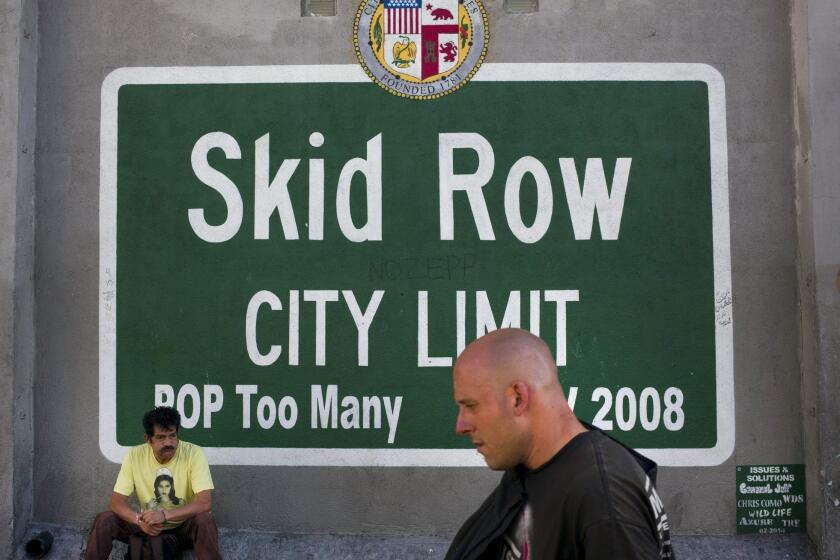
164 487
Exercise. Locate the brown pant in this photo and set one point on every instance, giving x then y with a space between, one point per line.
198 532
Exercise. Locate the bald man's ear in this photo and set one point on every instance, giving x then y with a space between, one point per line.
521 397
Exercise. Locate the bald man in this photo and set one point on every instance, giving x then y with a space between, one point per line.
569 491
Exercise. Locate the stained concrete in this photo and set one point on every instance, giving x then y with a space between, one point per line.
24 359
9 60
819 203
68 545
18 40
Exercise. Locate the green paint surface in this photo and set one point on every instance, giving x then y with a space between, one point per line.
646 312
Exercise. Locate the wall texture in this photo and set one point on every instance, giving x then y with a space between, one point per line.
9 27
748 41
18 44
820 221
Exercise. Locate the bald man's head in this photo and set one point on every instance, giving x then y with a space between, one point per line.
506 355
508 396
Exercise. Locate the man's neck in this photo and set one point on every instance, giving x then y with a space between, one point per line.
162 461
553 437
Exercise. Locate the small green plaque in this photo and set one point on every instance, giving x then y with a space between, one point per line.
770 499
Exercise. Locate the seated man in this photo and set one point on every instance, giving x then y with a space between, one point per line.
569 490
173 485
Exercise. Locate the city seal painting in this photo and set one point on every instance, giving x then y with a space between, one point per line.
421 49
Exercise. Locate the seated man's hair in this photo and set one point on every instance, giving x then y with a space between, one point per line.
163 416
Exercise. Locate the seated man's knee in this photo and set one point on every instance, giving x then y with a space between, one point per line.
205 520
105 518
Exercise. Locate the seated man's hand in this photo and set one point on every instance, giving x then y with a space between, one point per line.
153 517
151 530
151 522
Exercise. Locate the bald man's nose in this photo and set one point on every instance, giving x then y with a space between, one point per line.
462 427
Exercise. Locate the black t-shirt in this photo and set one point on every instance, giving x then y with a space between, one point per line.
591 501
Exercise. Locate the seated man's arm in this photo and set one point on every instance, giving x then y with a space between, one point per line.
119 505
203 503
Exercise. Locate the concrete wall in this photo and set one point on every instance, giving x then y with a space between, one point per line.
8 187
785 207
748 41
818 127
18 40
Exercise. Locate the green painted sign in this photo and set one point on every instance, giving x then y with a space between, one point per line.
770 499
293 257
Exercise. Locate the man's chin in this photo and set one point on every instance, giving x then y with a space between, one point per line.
497 464
492 464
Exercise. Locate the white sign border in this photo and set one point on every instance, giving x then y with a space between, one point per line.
352 74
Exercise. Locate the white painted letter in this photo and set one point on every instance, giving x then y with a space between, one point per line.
325 410
393 416
371 406
371 168
261 297
220 183
534 310
449 182
484 321
363 320
350 414
320 297
164 395
582 205
287 419
545 200
214 398
294 327
266 413
190 391
267 197
316 190
460 321
246 391
560 297
423 359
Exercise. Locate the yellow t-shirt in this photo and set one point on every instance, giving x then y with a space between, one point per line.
168 485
